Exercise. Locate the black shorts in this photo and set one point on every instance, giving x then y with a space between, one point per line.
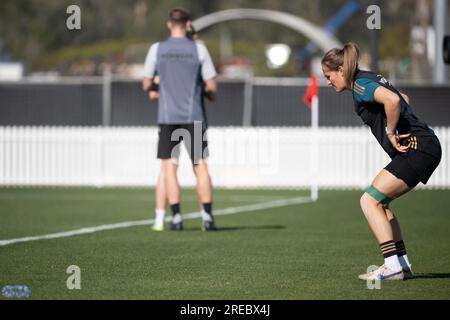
193 135
416 166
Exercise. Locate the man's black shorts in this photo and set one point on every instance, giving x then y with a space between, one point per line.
193 135
416 166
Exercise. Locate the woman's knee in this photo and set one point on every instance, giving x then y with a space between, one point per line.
366 201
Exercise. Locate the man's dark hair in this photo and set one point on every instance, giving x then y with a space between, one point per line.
179 16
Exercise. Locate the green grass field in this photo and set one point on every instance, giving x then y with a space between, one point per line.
300 251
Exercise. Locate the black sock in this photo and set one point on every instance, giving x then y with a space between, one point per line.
401 249
208 208
175 208
388 248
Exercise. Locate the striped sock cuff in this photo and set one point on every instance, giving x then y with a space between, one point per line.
401 249
388 248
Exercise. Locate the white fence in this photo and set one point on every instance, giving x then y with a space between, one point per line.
240 157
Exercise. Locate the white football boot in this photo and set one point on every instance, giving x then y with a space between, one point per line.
383 273
158 226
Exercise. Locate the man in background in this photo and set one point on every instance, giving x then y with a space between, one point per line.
182 66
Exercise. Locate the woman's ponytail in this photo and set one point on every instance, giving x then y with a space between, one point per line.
350 62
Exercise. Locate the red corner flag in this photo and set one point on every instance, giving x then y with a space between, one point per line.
311 91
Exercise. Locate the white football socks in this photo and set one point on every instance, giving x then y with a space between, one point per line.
393 263
159 216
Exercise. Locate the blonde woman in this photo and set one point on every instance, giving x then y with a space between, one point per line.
413 147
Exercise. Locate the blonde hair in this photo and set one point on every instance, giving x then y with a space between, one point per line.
347 58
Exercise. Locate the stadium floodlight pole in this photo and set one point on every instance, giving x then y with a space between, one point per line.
315 147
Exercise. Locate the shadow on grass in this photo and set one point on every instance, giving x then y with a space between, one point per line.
222 229
431 276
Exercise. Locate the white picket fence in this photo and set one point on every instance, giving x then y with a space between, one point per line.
240 157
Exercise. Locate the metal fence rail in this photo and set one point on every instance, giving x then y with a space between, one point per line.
272 157
252 102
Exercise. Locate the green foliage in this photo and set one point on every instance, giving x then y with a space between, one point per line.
104 51
34 31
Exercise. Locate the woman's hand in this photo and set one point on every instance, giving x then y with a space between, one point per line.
395 139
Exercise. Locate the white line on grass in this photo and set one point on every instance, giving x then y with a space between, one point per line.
108 197
127 224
